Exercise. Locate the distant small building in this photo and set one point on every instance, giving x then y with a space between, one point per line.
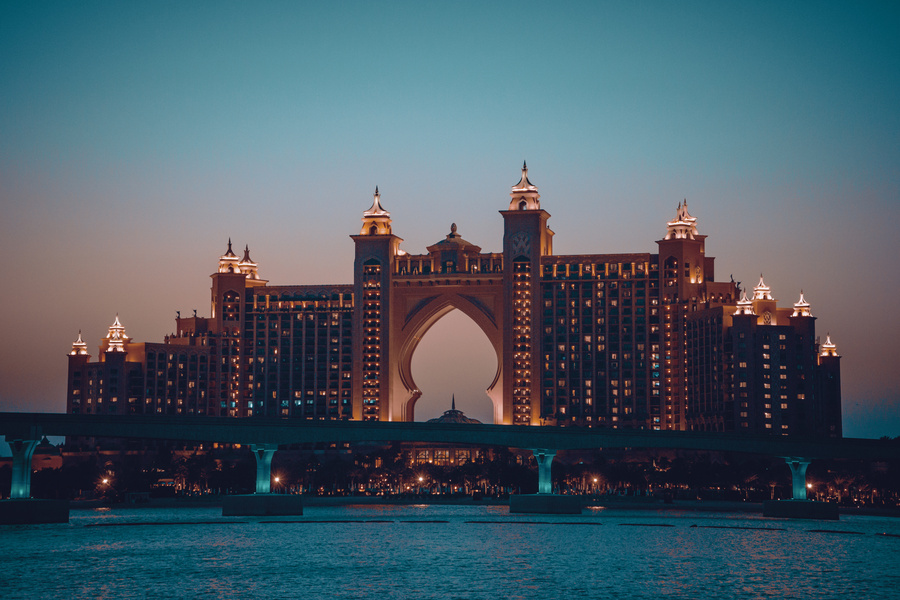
454 416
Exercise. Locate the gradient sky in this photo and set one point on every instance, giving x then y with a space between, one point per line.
135 138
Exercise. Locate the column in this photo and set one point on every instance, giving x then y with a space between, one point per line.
22 451
544 459
263 454
798 475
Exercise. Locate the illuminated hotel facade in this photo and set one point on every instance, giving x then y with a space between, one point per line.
645 340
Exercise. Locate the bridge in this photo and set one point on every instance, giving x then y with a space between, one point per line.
23 431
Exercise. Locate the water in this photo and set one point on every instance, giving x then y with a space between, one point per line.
448 552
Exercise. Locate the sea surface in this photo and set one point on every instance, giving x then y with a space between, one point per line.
431 551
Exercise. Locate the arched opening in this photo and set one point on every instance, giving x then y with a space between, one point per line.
454 358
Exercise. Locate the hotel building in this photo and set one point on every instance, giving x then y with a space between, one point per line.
645 340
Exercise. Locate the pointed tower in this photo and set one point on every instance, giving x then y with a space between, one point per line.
376 220
79 348
524 195
684 227
762 291
744 305
829 348
829 388
526 238
373 269
77 381
116 339
683 273
682 258
232 291
801 307
229 283
228 262
802 323
246 266
764 304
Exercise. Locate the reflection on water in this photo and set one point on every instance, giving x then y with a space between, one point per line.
448 552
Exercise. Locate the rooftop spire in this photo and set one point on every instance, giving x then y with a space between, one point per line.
116 337
228 262
524 195
801 308
744 305
247 266
524 184
762 291
453 402
684 227
376 220
376 210
828 348
79 347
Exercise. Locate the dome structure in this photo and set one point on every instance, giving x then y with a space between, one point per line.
454 416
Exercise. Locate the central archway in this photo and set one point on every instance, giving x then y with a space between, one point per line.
421 311
454 358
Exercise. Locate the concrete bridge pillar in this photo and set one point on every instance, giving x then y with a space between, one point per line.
21 507
22 452
799 507
263 503
545 501
544 460
798 476
263 454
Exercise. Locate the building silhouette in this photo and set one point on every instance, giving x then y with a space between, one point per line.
641 340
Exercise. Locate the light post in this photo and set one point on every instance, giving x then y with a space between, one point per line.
105 486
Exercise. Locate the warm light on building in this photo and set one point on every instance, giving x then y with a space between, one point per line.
626 340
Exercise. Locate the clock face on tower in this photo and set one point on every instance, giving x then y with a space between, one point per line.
520 244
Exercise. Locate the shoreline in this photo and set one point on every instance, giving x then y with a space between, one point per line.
642 503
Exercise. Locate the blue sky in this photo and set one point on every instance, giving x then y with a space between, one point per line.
135 138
